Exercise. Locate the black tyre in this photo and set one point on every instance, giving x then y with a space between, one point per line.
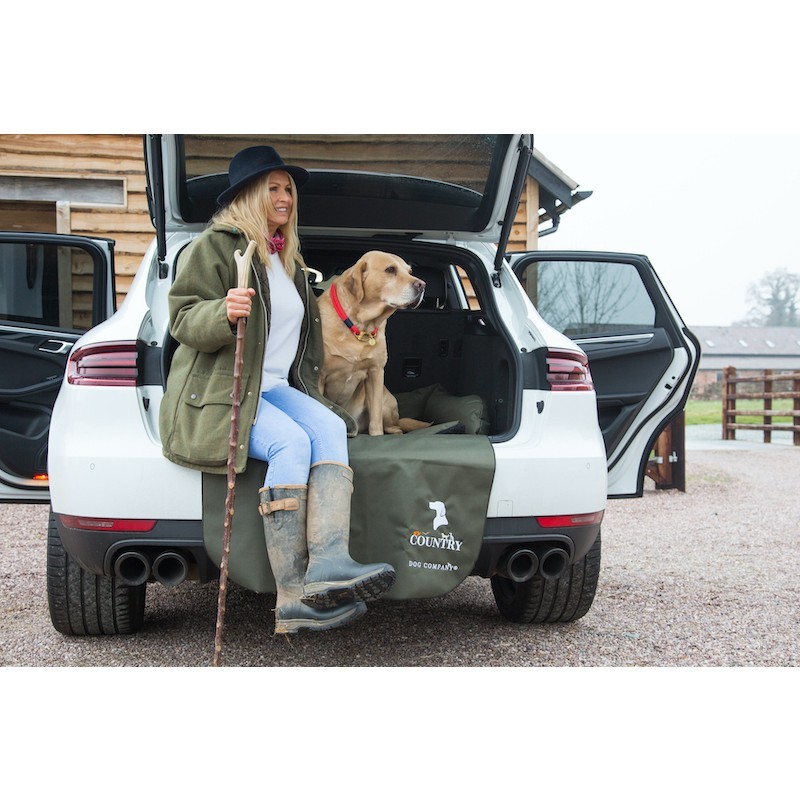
84 604
563 600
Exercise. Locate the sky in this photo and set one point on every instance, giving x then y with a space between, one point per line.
713 212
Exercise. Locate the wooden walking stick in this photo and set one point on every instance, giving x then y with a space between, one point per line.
243 267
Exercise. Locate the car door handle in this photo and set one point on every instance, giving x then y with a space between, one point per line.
55 346
623 339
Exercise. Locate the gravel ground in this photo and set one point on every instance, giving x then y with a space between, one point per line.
702 578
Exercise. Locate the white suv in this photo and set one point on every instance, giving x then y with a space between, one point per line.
547 375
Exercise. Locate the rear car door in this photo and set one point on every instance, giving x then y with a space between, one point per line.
53 288
641 355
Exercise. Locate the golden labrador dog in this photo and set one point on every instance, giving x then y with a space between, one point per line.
354 310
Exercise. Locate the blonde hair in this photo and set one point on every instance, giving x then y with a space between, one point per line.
249 211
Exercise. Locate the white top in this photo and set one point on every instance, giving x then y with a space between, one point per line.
284 329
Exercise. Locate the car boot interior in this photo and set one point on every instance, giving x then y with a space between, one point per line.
451 346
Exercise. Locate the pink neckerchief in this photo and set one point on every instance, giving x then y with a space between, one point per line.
275 243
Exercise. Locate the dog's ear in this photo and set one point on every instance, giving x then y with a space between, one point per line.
355 280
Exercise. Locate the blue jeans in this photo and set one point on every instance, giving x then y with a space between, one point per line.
294 431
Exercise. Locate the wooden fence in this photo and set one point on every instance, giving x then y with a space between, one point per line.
731 385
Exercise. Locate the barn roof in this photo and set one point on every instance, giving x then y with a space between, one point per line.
557 191
748 347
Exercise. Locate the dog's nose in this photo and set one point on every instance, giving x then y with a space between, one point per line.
419 285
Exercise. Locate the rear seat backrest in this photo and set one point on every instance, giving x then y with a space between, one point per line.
435 287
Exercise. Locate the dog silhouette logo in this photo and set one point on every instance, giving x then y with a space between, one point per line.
440 513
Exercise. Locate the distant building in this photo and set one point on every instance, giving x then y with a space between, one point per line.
746 349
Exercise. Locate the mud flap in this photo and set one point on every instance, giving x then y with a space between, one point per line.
419 503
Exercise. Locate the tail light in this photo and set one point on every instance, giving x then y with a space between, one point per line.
108 364
568 372
571 520
106 524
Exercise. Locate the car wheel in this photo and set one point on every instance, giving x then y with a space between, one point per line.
84 604
538 600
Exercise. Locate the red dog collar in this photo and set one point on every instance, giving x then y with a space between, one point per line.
362 337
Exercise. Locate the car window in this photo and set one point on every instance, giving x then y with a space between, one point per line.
582 298
46 285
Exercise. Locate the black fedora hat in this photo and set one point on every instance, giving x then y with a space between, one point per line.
250 163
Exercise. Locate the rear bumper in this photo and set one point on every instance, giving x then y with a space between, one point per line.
504 534
97 550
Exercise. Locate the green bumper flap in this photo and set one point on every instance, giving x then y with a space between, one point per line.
248 564
419 503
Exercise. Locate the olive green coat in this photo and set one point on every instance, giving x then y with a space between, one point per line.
195 414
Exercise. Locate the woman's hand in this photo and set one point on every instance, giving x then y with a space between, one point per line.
238 303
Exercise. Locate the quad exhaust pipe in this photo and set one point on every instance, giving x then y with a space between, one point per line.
553 562
518 565
133 568
170 569
523 563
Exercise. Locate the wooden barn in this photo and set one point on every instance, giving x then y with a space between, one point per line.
94 185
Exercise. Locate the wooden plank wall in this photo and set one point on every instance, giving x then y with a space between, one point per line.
92 156
524 232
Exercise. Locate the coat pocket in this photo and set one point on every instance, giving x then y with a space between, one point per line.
202 427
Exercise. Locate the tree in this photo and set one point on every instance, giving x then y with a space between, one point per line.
587 296
775 300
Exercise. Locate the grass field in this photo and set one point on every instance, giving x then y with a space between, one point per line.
709 412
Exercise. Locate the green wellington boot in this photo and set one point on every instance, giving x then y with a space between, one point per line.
283 509
332 576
